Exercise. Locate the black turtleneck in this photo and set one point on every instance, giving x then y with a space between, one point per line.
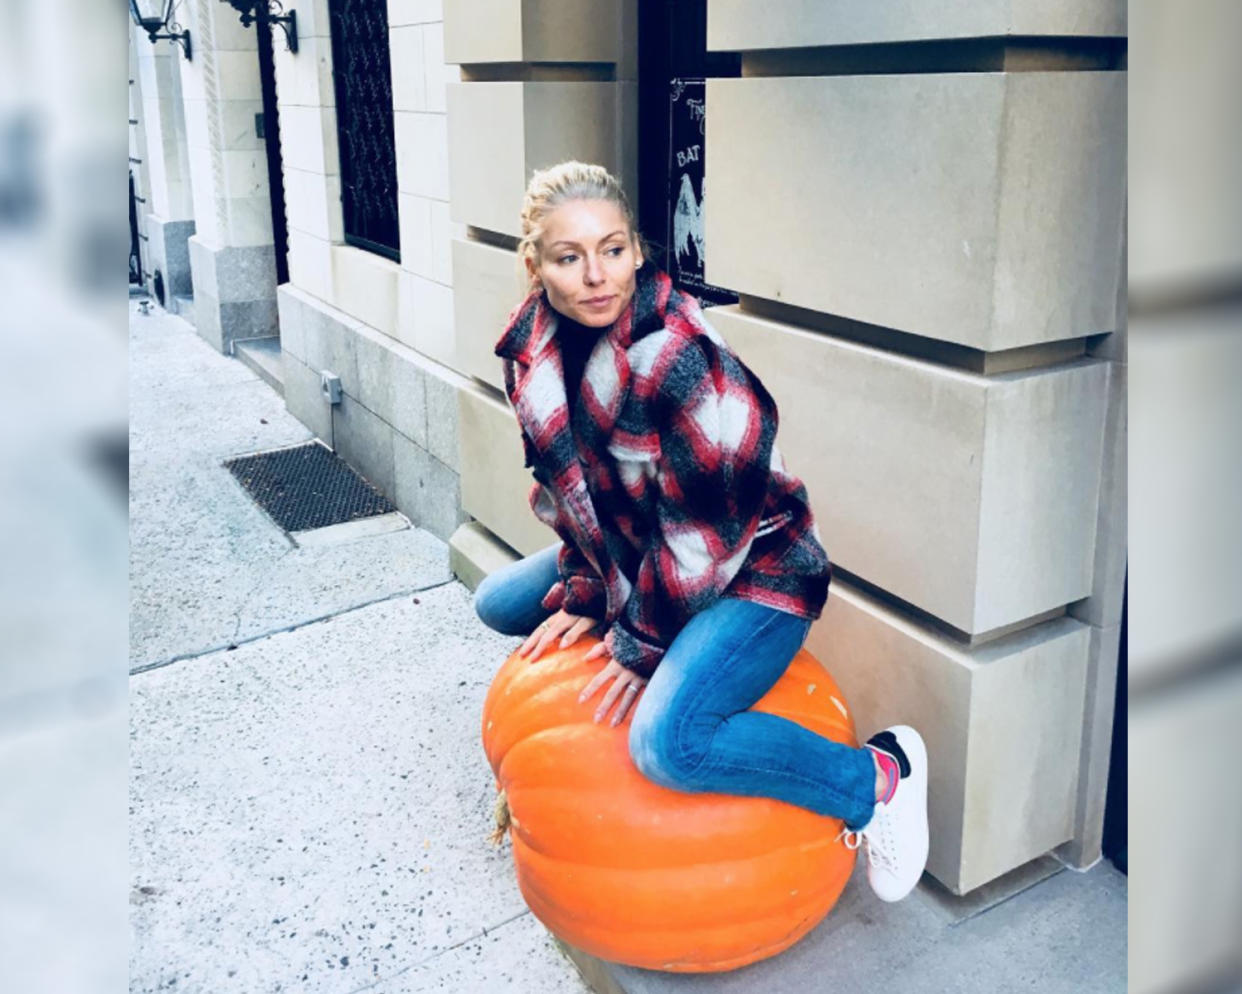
576 340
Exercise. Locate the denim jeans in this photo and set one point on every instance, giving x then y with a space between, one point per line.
691 729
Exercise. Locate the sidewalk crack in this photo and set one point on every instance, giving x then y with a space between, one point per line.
438 953
182 657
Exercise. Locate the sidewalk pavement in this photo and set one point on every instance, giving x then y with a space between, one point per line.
309 798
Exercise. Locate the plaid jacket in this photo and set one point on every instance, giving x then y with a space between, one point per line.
666 486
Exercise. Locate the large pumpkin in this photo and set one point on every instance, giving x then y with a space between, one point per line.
636 873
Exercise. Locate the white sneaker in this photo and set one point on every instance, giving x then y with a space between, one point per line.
896 836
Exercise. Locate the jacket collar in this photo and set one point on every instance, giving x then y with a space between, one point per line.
535 380
532 324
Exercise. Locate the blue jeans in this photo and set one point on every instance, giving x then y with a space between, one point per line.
692 729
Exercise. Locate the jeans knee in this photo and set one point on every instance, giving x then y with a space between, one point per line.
487 607
662 755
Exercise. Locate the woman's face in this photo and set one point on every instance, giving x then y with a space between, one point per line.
587 261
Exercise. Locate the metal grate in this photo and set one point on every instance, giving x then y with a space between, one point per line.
307 486
364 118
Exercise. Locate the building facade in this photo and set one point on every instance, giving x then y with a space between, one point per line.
909 222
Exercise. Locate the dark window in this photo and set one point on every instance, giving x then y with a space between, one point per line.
363 77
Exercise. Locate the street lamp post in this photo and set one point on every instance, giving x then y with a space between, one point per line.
154 16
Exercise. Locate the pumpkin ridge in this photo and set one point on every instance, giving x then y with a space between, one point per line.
758 887
638 953
537 795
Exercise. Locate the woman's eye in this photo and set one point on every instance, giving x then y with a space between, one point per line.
563 260
615 250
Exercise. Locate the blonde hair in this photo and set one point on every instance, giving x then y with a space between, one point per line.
550 188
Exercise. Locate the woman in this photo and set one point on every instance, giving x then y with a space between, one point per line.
683 539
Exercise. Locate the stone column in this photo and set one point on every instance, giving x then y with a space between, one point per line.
169 220
231 253
927 244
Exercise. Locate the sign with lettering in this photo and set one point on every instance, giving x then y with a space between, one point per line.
684 234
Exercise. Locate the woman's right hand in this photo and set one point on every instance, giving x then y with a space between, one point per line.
562 625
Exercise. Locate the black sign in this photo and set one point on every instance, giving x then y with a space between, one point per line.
684 233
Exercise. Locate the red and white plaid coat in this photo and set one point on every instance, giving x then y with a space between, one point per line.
666 487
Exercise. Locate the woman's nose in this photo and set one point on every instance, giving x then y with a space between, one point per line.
594 271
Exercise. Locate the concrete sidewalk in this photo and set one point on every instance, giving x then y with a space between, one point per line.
309 797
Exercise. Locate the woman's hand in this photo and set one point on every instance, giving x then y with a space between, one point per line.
562 625
625 684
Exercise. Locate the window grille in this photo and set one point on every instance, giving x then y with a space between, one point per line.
364 119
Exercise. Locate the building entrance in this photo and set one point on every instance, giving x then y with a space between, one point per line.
674 65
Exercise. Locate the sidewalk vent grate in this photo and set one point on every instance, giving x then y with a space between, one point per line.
307 486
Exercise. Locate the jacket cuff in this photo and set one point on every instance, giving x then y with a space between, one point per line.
632 651
577 595
585 597
554 598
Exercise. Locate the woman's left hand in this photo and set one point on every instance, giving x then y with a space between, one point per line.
625 685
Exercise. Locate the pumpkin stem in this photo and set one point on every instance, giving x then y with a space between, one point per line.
503 820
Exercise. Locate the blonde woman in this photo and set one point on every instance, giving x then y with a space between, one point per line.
684 541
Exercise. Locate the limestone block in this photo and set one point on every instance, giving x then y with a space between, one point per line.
422 154
237 129
425 317
310 264
1002 725
971 497
409 76
409 396
303 398
487 289
442 420
375 359
415 11
364 285
308 139
365 442
443 230
313 22
1094 772
237 72
474 553
978 208
439 73
532 31
1103 606
292 304
313 204
734 25
305 79
427 491
494 481
500 132
249 219
414 218
329 343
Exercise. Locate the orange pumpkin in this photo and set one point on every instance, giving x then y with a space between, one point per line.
636 873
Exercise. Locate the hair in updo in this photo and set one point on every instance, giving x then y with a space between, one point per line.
550 188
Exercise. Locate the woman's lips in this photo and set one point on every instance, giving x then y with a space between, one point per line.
598 301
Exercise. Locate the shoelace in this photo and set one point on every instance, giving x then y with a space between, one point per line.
881 847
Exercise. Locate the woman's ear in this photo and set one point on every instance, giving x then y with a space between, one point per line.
532 271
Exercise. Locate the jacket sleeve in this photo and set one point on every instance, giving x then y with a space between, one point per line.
715 426
579 590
